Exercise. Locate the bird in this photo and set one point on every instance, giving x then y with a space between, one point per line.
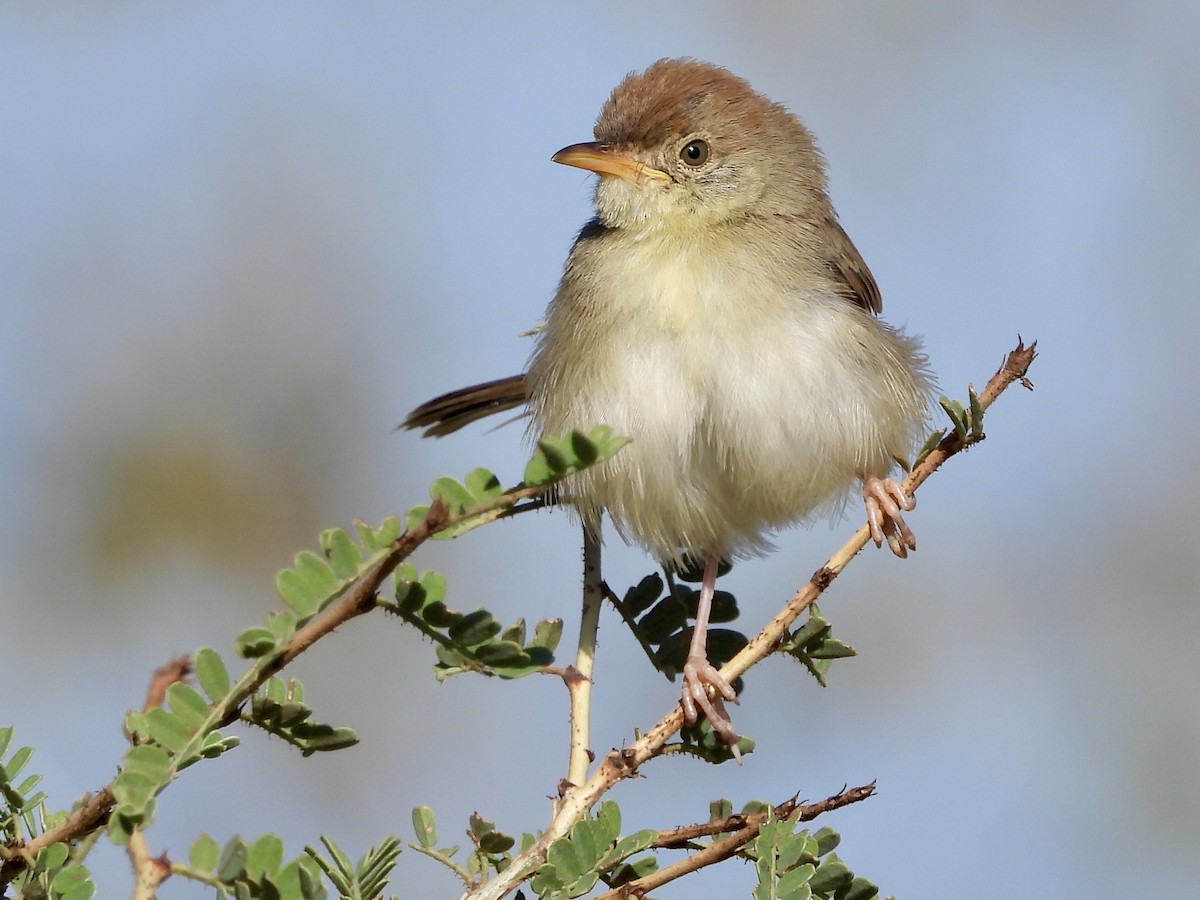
714 312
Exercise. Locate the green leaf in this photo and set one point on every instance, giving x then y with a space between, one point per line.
204 854
31 801
515 633
317 574
641 596
133 790
928 447
719 810
275 689
631 844
483 485
957 414
474 628
74 882
586 452
121 825
859 889
340 860
439 615
814 628
135 726
425 825
53 857
388 531
827 839
454 496
561 855
537 470
556 457
435 586
664 619
547 634
17 762
831 875
309 873
631 871
265 856
314 737
296 591
608 816
501 654
976 413
794 883
289 714
496 843
585 843
187 705
282 625
832 648
256 642
366 536
415 517
410 593
211 673
214 745
233 860
375 866
149 761
168 730
342 553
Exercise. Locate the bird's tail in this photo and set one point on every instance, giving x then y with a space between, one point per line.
450 412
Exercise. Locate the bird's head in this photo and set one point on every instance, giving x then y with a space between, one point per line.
686 145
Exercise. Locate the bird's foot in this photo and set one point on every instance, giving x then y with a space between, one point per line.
698 675
885 498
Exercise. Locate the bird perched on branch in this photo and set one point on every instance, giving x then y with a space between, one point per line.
715 313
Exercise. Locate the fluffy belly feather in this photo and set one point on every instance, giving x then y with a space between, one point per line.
730 438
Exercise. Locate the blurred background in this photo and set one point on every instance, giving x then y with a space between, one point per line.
238 243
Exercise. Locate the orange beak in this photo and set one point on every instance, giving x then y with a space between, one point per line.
604 160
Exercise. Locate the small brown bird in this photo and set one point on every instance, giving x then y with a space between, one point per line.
715 312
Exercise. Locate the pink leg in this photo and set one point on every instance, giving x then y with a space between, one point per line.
885 498
699 673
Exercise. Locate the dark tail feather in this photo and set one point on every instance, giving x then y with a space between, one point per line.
450 412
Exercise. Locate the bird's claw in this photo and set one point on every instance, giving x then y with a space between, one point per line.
698 675
884 499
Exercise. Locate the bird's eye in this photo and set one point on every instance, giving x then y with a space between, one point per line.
694 153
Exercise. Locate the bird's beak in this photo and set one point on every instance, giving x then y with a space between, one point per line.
604 160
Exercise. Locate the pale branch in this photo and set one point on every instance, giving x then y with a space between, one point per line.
148 871
580 687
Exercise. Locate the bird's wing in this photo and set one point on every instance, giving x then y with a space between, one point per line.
847 266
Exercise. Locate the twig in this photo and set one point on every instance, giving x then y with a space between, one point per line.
148 871
745 829
680 837
579 682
